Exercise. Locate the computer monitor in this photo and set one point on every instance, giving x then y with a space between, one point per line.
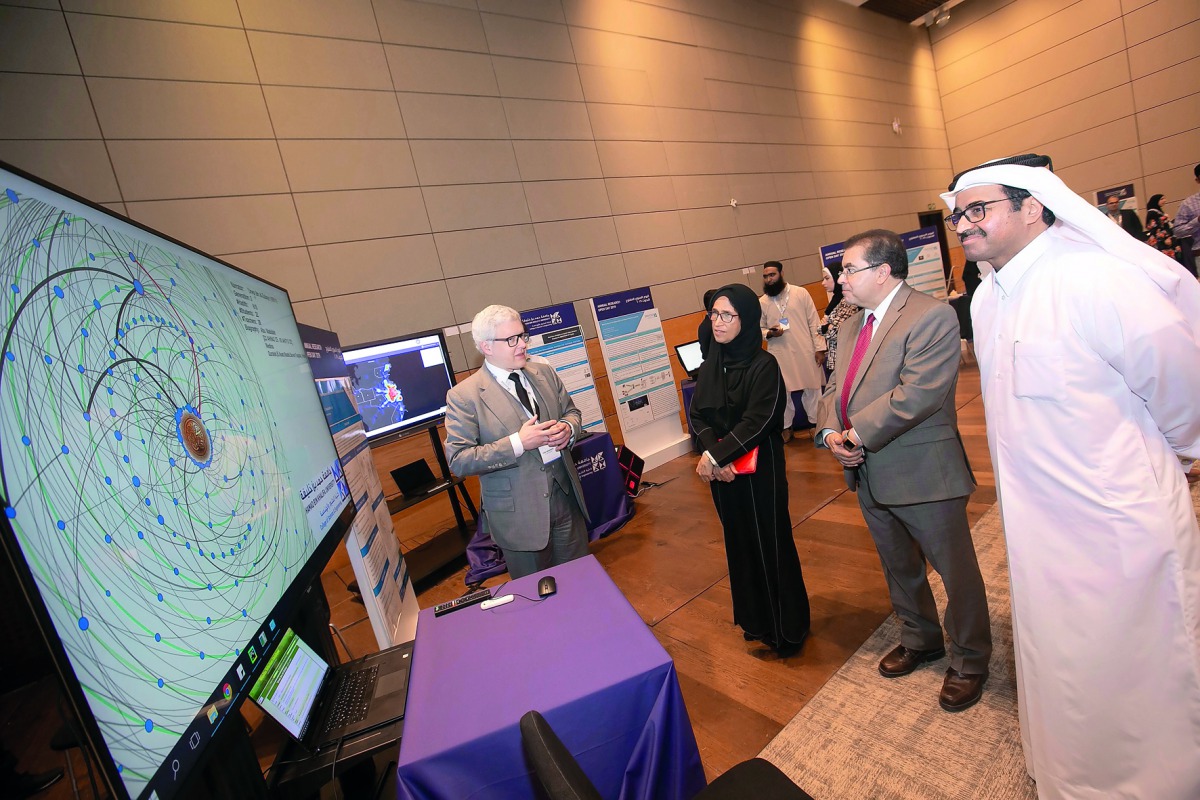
400 385
170 488
690 357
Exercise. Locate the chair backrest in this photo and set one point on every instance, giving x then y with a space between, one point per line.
555 767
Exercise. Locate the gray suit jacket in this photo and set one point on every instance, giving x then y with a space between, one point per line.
902 402
480 416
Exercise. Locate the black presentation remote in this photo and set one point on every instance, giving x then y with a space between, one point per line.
477 596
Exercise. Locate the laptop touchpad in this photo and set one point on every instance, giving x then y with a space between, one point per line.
391 683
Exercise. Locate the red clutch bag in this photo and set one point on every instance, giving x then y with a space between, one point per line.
747 464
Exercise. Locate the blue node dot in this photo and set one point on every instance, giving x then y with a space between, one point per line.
15 289
132 258
210 587
108 540
87 417
112 412
37 243
208 620
161 521
125 459
107 593
175 500
112 354
110 389
120 768
160 683
154 350
160 597
201 655
249 528
137 287
213 556
236 582
95 303
136 378
141 535
62 526
26 441
147 502
58 292
158 637
66 450
48 359
81 369
137 481
243 612
92 256
171 461
116 434
84 331
149 725
10 512
12 196
210 525
206 495
177 570
83 623
158 395
188 545
9 355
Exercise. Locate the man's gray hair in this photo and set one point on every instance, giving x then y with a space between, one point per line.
483 327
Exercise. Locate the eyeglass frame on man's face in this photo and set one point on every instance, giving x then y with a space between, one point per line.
724 316
853 270
511 341
979 207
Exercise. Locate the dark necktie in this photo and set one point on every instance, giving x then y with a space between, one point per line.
860 350
522 395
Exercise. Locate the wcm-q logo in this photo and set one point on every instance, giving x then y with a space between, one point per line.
598 462
556 318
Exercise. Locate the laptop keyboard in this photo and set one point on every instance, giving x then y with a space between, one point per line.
353 699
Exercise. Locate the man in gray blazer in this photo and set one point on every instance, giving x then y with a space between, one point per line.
512 424
888 416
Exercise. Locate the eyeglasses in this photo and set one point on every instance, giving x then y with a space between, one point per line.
974 213
851 270
511 341
724 316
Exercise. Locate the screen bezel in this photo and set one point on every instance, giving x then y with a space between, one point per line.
283 611
377 438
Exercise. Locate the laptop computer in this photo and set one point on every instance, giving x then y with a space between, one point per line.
320 705
690 357
416 479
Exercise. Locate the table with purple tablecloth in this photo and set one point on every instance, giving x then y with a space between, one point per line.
581 657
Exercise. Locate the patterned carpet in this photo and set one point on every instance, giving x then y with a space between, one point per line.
864 736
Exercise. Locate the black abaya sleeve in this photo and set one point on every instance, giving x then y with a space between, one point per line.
764 398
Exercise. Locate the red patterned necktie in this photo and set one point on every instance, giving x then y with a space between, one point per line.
860 350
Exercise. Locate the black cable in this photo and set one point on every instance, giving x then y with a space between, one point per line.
337 787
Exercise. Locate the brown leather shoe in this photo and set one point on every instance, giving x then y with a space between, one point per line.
902 661
960 690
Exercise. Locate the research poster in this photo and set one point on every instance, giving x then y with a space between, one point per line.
639 368
556 336
926 271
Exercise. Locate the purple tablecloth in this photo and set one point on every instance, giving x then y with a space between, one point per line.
581 657
608 504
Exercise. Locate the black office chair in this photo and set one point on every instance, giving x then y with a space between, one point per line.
563 778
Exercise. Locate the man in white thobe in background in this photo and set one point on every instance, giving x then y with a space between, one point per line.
792 328
1089 352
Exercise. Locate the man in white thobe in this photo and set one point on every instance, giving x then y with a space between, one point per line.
1089 352
792 328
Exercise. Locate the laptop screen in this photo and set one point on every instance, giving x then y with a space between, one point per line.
289 684
689 356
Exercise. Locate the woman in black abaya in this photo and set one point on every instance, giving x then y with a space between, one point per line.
738 406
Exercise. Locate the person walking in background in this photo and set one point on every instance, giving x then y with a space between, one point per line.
1160 234
837 311
792 330
1126 218
738 407
1187 226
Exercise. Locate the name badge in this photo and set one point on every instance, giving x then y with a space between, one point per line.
549 454
783 322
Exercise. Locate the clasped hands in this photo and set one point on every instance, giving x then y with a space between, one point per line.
554 433
844 450
709 473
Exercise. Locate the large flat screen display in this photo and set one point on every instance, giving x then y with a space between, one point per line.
400 385
169 482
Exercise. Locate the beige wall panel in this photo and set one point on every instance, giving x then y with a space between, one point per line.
1172 118
161 170
79 166
638 19
546 10
442 162
722 65
1132 5
758 218
783 130
329 217
1171 48
118 208
518 288
527 38
315 165
421 69
141 109
588 277
807 242
289 268
45 107
225 224
746 157
698 191
444 116
212 12
711 32
1174 152
558 200
1101 173
766 72
840 184
303 113
634 195
453 208
835 159
351 267
165 50
793 157
633 159
686 125
765 247
430 25
658 265
386 313
982 24
738 127
695 158
1175 184
800 213
286 59
794 185
543 80
725 96
603 84
702 224
644 231
678 89
716 256
34 40
346 19
574 239
547 119
676 298
753 188
486 250
541 161
1164 16
463 354
815 105
312 312
623 122
778 102
1162 87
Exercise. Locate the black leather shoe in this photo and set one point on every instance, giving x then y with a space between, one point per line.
902 661
960 690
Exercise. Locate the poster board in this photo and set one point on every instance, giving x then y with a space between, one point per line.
556 336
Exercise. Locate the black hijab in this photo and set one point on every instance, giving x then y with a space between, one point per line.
722 371
835 270
704 332
1155 202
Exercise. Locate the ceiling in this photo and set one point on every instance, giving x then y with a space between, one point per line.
907 10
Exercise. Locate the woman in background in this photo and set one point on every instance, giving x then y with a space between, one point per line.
1159 233
837 311
738 406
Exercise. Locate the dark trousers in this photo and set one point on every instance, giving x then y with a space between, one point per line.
568 538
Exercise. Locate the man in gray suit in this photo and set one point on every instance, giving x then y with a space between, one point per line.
512 424
888 416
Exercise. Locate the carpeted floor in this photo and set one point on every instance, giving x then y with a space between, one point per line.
865 736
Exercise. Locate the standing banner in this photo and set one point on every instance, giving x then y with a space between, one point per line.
556 336
1125 194
371 541
639 373
925 270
